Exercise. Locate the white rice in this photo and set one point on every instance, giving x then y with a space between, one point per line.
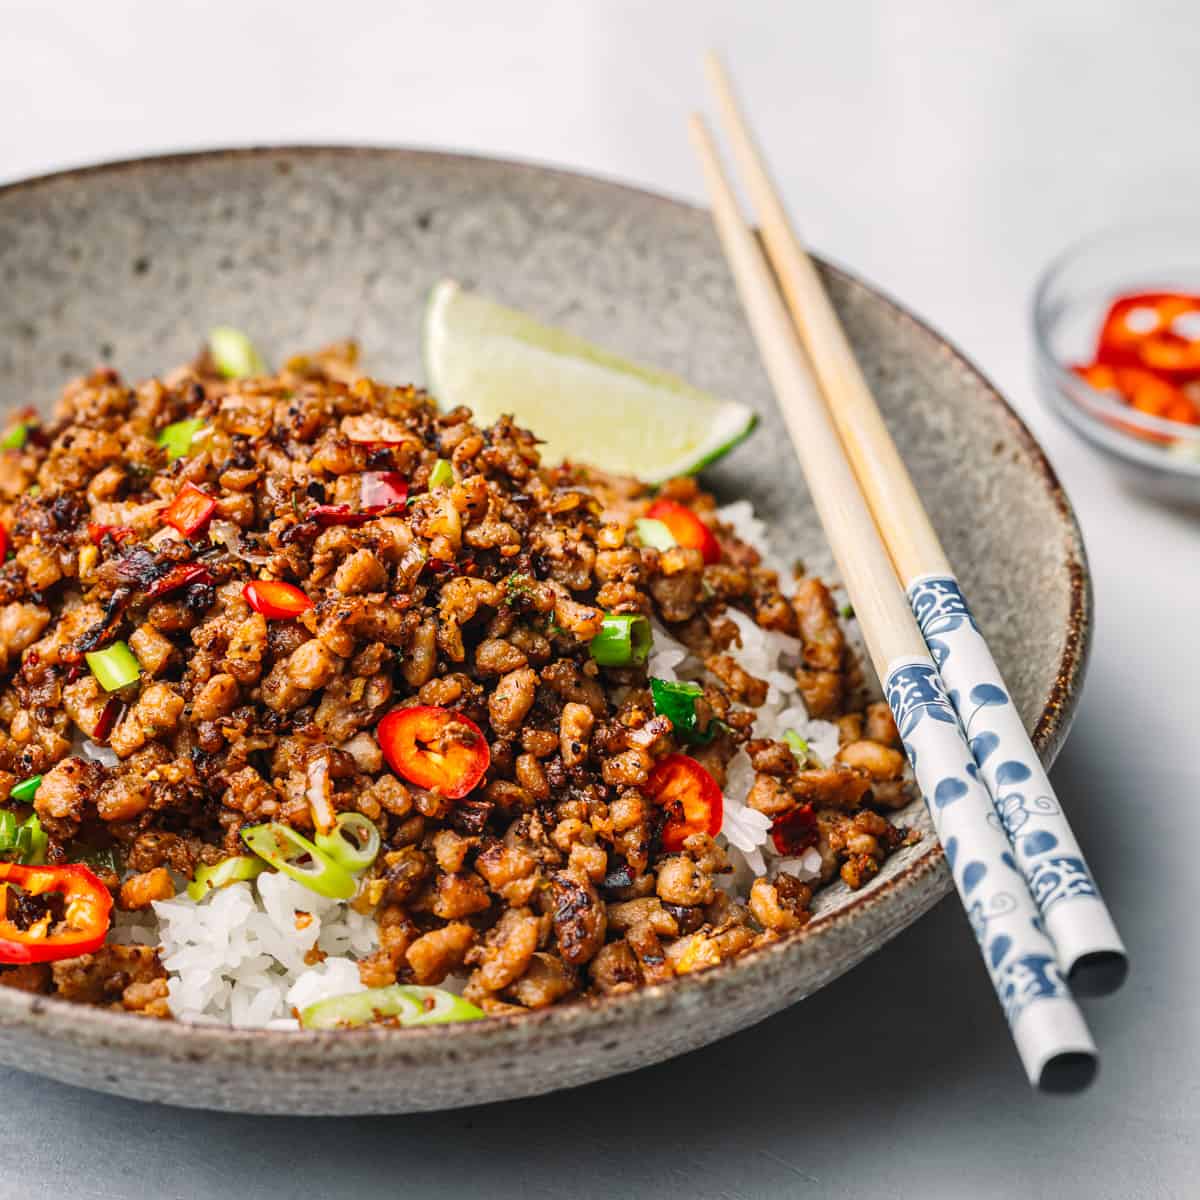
243 956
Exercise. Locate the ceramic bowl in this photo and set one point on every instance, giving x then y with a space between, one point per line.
131 263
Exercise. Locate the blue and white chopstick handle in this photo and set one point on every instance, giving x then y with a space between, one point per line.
1045 849
1046 1024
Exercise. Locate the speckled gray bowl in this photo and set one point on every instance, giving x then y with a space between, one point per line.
131 263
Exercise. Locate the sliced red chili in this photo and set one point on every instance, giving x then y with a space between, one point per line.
337 514
445 568
1159 331
180 575
108 718
119 533
276 600
795 831
190 511
45 929
382 490
435 748
1144 390
3 543
690 796
686 528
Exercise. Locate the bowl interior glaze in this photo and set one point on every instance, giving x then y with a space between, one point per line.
130 263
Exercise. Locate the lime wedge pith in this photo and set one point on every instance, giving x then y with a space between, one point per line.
586 404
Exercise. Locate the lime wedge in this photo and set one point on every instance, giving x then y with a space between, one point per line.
585 404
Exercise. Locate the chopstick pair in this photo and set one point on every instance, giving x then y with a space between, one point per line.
1018 869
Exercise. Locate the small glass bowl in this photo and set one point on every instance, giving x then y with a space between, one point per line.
1069 304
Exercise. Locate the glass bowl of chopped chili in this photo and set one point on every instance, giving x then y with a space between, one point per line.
1117 336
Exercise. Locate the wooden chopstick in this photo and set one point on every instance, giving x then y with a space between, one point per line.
1089 948
1051 1037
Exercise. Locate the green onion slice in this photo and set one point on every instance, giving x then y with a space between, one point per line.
624 640
26 789
353 842
14 439
797 743
8 831
236 869
234 353
442 474
282 847
677 700
114 667
654 533
31 843
178 437
409 1004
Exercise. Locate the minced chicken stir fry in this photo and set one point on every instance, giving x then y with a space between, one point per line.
308 628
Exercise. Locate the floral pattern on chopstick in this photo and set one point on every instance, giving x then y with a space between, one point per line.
1045 849
1006 922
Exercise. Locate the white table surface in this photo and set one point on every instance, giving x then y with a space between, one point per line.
944 151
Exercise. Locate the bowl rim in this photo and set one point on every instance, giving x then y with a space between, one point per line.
1095 410
84 1024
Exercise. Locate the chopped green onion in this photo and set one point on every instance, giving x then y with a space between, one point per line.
235 869
442 474
26 789
677 700
234 353
14 439
797 743
352 843
654 533
34 489
8 831
282 847
624 639
31 842
114 667
847 611
178 437
407 1004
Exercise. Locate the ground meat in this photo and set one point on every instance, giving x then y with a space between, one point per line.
839 786
29 977
821 691
459 895
574 731
579 917
507 950
436 954
140 891
879 724
480 596
64 794
681 881
741 685
546 980
782 904
512 699
614 969
877 761
106 976
816 618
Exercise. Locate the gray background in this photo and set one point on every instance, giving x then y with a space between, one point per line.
944 151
